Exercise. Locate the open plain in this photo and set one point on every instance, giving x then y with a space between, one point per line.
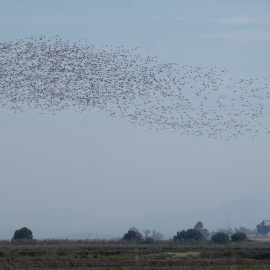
61 254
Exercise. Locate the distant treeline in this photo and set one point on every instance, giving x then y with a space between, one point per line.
24 236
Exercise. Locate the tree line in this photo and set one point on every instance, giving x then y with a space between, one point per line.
197 233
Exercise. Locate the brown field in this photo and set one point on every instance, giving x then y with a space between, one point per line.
64 254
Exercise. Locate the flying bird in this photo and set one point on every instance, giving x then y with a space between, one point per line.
50 75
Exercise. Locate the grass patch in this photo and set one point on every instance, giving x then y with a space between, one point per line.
182 254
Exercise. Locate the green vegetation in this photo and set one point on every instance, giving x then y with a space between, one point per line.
188 249
23 233
151 236
238 237
122 254
199 227
188 235
220 238
133 235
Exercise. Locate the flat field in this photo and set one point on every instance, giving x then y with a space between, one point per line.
109 255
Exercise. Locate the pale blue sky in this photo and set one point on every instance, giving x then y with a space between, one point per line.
104 166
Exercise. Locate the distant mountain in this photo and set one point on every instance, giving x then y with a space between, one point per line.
65 223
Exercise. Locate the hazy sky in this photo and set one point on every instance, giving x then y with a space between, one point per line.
94 163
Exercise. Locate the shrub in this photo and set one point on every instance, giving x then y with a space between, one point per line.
148 240
238 237
133 235
23 233
220 238
189 234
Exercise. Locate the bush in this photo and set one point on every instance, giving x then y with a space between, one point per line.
133 235
148 240
220 238
238 237
23 233
189 234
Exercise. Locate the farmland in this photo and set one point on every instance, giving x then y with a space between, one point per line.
64 254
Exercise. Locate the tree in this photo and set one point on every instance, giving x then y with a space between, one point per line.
229 231
157 235
245 230
190 234
199 227
220 238
146 233
133 235
23 233
150 238
238 237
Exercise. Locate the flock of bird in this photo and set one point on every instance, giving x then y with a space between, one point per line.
50 75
